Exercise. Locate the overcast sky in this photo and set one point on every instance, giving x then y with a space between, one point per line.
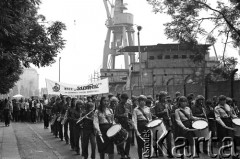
86 32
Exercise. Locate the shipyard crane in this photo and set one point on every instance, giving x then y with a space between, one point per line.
120 33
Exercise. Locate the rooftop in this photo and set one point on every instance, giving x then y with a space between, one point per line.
158 47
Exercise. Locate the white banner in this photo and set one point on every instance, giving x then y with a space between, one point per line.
97 87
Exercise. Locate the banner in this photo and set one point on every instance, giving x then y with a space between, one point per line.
97 87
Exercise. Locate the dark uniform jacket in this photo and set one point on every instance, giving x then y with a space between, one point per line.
123 120
158 111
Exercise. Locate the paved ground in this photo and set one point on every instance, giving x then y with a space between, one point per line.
32 141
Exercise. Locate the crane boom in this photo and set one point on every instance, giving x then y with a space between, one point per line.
107 9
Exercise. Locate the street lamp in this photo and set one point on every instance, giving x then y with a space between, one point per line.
139 28
59 68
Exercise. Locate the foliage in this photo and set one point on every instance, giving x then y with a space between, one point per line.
191 20
10 69
25 38
224 70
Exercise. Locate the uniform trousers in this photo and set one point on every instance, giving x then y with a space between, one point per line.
59 130
66 131
125 150
141 129
71 128
76 129
6 113
88 134
46 119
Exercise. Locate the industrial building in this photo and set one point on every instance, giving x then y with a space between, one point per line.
157 67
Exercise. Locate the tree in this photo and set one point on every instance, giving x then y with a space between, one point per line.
211 20
191 19
25 38
224 70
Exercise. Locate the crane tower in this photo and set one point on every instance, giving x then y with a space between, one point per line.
120 34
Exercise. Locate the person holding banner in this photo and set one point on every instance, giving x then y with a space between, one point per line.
103 119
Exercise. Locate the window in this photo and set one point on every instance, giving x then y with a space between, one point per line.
151 57
167 57
159 56
175 56
184 56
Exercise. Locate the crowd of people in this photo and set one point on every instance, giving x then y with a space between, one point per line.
80 120
21 110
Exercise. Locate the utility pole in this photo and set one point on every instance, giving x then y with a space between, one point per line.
59 68
139 28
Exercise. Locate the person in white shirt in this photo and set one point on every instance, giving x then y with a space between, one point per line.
141 116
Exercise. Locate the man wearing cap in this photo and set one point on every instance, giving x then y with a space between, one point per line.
162 110
223 117
123 115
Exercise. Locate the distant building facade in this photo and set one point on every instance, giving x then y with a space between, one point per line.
28 85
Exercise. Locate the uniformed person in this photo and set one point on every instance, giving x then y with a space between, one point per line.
184 118
76 128
71 113
198 110
88 131
162 110
141 116
46 111
224 116
103 120
123 115
66 107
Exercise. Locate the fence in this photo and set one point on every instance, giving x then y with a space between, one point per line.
210 90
